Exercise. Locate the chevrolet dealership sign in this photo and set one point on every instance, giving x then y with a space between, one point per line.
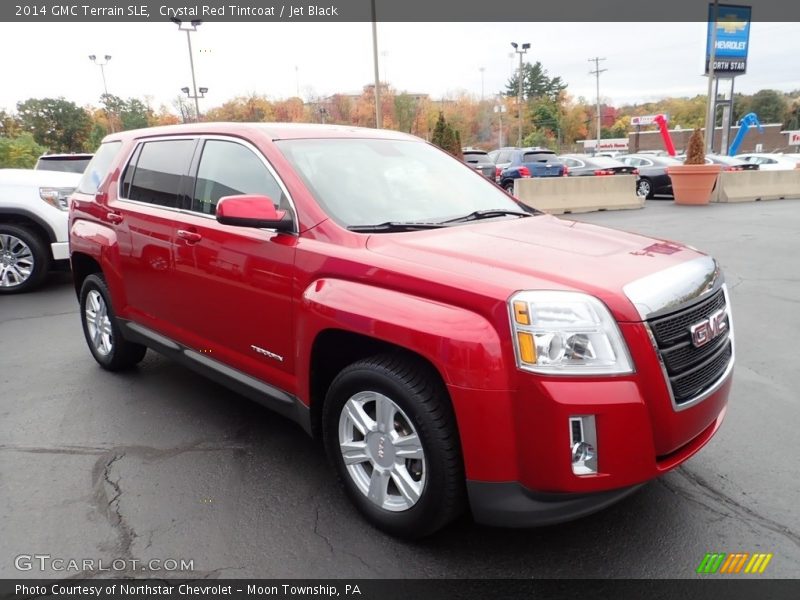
732 41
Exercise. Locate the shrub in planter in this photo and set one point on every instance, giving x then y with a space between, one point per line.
693 181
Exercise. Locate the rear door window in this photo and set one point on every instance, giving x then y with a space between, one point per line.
158 172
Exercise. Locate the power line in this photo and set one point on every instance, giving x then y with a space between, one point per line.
597 70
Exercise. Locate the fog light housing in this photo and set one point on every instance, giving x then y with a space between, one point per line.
583 444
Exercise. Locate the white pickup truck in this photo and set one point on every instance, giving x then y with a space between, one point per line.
33 225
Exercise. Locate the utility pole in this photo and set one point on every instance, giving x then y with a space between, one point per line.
711 107
378 117
481 69
597 70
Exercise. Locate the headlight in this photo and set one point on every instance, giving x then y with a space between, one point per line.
57 197
566 333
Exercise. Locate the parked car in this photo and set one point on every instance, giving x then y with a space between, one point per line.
581 165
33 226
770 162
653 178
68 163
530 162
480 161
452 347
729 163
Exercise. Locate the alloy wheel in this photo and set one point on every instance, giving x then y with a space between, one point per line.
16 261
382 452
98 324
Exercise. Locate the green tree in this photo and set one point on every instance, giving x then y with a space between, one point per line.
535 83
56 123
405 110
19 152
447 138
9 125
770 106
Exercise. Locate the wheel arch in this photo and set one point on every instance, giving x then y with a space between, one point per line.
28 219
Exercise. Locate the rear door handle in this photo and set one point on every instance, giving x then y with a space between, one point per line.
113 217
191 237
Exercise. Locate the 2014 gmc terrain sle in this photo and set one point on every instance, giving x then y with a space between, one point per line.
453 347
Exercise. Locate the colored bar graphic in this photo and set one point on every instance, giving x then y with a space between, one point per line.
734 563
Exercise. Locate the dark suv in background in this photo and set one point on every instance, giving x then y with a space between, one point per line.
515 163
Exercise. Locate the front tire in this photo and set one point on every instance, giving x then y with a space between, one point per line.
24 259
101 330
390 431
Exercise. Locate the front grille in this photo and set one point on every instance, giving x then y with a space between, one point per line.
692 370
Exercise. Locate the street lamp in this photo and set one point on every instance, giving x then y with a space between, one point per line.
203 91
524 50
500 109
107 57
189 28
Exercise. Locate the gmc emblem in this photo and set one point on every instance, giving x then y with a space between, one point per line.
708 329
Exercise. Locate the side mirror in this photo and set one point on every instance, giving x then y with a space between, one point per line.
252 210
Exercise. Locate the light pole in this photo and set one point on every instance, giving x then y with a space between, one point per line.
524 50
481 69
192 26
597 70
500 109
378 116
102 65
203 91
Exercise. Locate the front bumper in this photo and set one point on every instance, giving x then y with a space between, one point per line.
60 250
510 504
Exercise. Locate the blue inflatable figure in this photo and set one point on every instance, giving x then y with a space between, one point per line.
745 124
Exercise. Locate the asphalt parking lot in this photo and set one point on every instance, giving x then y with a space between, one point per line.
160 463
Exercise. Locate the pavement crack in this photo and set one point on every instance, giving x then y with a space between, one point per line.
318 534
333 550
28 318
724 500
125 532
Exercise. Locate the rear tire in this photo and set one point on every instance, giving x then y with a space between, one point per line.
644 188
391 417
101 330
24 259
509 187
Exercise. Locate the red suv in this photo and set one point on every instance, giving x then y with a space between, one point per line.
452 347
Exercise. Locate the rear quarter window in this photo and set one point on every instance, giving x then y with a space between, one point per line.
97 169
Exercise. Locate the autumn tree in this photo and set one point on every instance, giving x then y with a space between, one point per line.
56 123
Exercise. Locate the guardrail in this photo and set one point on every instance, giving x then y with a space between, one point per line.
560 195
749 186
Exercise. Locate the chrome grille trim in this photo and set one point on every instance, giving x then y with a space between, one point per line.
716 384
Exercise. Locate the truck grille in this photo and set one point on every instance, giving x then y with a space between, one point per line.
691 370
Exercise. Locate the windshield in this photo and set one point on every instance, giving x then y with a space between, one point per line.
369 181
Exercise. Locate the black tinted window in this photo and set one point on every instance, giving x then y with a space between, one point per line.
98 167
228 169
539 157
157 176
66 165
474 157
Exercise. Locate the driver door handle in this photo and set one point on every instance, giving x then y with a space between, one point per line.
191 237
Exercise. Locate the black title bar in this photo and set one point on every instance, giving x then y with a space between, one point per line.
633 11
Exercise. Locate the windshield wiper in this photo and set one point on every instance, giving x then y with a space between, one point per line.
488 213
390 226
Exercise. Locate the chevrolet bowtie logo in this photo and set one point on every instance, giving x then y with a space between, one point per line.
730 25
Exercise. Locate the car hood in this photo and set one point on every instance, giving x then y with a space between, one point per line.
502 256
